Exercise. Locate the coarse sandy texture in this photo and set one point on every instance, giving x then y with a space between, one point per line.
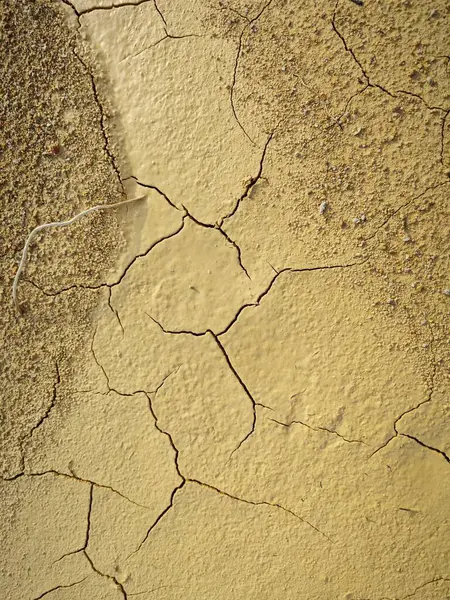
239 386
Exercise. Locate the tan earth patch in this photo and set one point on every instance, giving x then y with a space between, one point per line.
238 386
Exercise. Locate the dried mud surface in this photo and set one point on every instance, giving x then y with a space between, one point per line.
239 386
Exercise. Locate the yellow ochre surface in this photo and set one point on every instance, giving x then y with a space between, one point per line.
238 387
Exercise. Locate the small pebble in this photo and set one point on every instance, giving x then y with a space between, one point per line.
447 292
323 207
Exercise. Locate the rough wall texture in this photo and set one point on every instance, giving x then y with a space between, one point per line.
239 387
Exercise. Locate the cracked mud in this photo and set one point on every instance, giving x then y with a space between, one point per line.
238 387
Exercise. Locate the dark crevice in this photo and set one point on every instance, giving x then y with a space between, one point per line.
346 46
27 438
347 104
414 408
88 528
402 206
176 332
59 587
237 248
428 399
74 10
121 277
72 475
419 97
271 284
370 83
251 304
143 254
243 386
435 580
442 151
156 189
318 428
176 457
167 36
74 286
251 183
432 448
115 312
233 84
160 516
116 582
183 478
98 363
236 12
231 367
51 405
160 13
106 144
236 66
157 425
218 228
112 6
261 503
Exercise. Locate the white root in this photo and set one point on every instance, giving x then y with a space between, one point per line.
58 224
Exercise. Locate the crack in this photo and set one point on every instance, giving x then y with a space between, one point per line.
432 448
419 97
339 118
424 585
223 233
243 386
106 144
442 151
177 332
115 312
101 367
161 587
251 304
236 12
168 36
158 10
59 587
370 83
318 428
74 10
346 46
271 284
144 254
432 378
155 189
88 528
237 248
116 582
27 438
156 420
230 366
236 66
160 516
72 475
435 580
261 503
250 184
411 437
121 277
404 205
50 406
112 6
176 457
184 479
